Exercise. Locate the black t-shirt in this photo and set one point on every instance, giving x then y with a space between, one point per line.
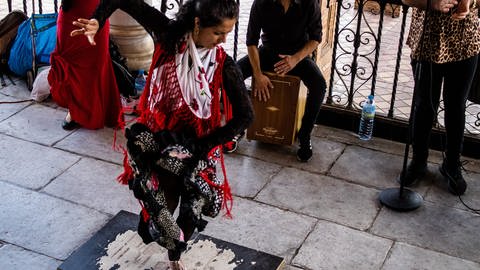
288 32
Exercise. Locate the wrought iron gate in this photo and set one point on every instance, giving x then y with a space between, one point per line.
370 57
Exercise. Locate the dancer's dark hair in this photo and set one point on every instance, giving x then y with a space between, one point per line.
210 13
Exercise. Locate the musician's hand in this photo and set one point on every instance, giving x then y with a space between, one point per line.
261 88
86 27
287 63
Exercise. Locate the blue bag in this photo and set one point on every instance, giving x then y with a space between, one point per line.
43 27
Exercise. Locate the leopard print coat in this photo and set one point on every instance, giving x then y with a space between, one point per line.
445 40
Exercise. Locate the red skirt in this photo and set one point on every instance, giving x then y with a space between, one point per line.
81 77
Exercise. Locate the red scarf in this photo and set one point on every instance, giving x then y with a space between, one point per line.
168 114
173 114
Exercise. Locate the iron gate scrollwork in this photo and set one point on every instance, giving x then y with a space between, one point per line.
370 57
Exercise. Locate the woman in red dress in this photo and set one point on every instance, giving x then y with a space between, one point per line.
81 78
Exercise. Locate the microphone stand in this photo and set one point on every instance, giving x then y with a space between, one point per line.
403 199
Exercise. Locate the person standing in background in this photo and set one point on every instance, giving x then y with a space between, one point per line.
81 76
445 47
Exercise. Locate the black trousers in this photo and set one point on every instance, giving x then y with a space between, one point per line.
308 72
456 78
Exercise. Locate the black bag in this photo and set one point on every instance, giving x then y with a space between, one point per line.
125 80
474 95
8 31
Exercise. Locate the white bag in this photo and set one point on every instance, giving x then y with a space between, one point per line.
41 88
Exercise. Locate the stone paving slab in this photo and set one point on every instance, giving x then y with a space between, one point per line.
247 176
13 257
12 108
94 143
18 91
404 256
472 165
50 103
44 224
322 197
369 167
31 165
440 195
438 228
332 246
93 183
262 227
36 123
325 152
290 267
349 137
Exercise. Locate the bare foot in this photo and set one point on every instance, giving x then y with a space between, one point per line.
68 117
177 265
462 10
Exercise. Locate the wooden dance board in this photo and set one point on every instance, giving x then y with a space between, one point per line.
118 246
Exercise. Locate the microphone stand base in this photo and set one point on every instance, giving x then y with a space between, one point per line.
408 201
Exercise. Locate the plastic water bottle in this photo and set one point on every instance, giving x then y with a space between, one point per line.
140 81
366 122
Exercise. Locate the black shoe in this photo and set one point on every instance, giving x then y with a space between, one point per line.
305 151
415 171
453 176
143 231
70 125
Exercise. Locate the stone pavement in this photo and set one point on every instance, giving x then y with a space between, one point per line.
58 188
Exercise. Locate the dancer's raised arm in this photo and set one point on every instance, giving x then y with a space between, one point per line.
154 21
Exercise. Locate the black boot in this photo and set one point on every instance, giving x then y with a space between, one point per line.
415 171
452 173
305 152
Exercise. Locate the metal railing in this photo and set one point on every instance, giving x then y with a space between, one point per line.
29 7
370 57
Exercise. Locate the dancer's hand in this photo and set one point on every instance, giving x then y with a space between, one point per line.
86 27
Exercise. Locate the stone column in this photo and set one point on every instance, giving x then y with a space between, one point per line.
133 41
